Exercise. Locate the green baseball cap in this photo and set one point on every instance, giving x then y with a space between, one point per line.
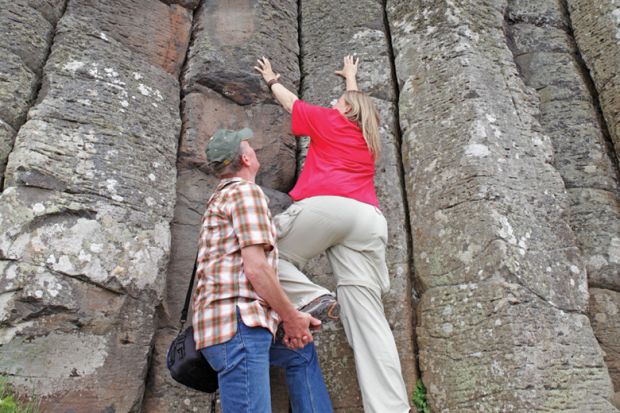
223 147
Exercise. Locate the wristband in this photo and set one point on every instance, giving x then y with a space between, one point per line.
271 83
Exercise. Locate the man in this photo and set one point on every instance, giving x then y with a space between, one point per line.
238 301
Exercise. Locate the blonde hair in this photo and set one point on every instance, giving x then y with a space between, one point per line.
366 115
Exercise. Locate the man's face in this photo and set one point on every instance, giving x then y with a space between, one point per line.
341 105
249 152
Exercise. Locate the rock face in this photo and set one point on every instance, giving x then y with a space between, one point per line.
498 178
605 316
488 214
84 217
27 28
545 54
596 25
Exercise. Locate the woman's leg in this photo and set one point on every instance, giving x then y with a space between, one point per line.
303 233
359 265
376 357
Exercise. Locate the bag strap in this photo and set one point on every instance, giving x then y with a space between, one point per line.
188 296
213 399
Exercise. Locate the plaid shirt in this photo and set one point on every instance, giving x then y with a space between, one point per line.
237 216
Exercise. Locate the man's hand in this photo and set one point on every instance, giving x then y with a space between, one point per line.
297 329
349 69
264 67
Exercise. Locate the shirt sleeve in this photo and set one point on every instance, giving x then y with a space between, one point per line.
250 215
307 118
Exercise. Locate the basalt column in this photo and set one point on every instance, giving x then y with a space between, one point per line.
596 24
86 210
547 59
327 35
27 29
501 320
222 90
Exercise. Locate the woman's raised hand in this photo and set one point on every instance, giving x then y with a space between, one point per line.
349 68
264 67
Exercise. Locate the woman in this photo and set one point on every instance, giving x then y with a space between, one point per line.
336 211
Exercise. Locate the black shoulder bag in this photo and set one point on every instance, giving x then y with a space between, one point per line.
186 364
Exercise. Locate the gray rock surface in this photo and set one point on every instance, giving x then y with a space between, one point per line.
85 214
228 37
545 54
546 59
605 318
327 35
189 4
495 346
223 89
489 220
26 32
205 111
596 25
7 134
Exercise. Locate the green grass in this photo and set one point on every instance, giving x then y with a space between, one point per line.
418 398
10 404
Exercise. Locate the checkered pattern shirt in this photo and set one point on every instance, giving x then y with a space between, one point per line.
237 216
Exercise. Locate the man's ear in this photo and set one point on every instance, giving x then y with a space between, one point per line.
245 160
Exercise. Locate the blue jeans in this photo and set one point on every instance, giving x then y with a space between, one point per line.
242 366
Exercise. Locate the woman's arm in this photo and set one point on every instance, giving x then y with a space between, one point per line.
285 97
349 72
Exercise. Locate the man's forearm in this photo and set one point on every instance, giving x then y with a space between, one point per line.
285 97
267 286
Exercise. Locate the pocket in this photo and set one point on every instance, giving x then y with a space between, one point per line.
284 221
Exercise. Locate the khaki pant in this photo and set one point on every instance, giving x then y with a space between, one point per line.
354 235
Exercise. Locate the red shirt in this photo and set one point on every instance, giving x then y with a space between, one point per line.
339 162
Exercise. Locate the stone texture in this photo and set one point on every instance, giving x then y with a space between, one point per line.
605 319
489 223
229 36
189 4
596 25
160 36
85 214
223 89
496 347
26 32
595 215
7 133
100 102
539 13
545 56
205 111
327 35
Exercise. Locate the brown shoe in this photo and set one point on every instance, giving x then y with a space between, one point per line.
324 308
